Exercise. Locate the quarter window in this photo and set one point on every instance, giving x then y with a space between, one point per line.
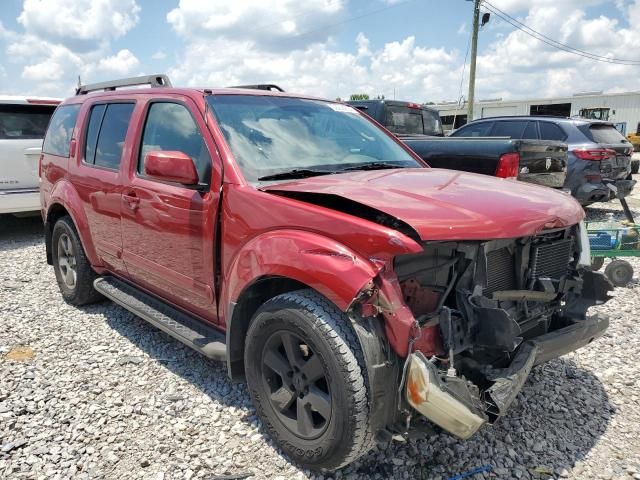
58 138
171 127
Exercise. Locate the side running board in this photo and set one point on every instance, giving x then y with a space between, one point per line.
201 337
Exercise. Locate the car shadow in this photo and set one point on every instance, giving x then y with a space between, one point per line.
551 426
18 232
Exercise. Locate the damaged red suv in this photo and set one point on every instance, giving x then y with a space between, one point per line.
351 286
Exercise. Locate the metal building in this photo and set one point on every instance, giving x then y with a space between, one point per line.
623 109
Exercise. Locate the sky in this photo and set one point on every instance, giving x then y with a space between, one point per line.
406 49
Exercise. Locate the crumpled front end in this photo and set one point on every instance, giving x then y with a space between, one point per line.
484 314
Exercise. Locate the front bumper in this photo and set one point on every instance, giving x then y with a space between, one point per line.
428 393
22 200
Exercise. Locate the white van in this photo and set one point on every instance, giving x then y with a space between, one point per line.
23 123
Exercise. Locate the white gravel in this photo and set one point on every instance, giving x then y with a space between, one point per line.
97 393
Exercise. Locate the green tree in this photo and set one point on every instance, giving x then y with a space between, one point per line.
359 96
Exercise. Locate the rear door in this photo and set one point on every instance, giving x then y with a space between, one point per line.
98 178
22 128
168 228
607 136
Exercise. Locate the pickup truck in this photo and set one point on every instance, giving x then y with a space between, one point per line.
354 289
533 161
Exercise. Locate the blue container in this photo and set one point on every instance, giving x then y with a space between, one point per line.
601 241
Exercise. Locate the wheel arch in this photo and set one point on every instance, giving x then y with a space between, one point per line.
64 200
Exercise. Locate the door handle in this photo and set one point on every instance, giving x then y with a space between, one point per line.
132 200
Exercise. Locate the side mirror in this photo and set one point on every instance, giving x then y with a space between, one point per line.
171 166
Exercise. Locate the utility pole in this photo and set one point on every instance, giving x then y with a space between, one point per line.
474 54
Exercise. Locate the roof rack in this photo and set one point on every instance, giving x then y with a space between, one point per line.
261 86
158 80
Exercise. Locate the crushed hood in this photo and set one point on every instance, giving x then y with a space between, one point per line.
444 204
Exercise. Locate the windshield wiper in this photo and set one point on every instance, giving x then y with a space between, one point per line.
372 166
296 173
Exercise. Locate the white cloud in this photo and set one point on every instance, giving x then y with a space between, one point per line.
74 21
518 65
64 39
159 55
418 73
273 24
121 63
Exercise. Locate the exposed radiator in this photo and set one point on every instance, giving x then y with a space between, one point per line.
551 260
501 274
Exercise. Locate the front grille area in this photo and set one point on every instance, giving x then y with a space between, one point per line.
500 271
551 260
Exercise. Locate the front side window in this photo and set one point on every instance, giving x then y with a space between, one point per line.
270 136
22 122
106 133
58 138
170 126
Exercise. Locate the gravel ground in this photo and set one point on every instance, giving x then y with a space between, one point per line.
97 393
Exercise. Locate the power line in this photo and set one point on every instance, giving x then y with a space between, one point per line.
554 43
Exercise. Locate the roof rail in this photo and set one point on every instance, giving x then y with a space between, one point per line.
262 86
157 80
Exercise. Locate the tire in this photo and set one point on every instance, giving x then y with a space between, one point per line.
73 272
635 166
597 263
620 272
320 340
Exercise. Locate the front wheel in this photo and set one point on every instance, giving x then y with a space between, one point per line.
306 375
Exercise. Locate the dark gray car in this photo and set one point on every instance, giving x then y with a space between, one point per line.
598 153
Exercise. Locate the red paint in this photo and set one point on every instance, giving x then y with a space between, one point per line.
162 235
171 167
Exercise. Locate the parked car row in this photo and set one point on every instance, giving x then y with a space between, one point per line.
353 288
579 155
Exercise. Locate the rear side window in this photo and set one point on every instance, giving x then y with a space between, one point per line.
106 133
513 129
170 126
22 122
551 131
474 130
60 130
605 134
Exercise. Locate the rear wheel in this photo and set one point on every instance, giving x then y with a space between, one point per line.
620 272
73 271
306 376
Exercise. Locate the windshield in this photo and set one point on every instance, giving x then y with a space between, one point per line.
273 135
412 121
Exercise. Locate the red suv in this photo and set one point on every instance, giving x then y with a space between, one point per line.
354 288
